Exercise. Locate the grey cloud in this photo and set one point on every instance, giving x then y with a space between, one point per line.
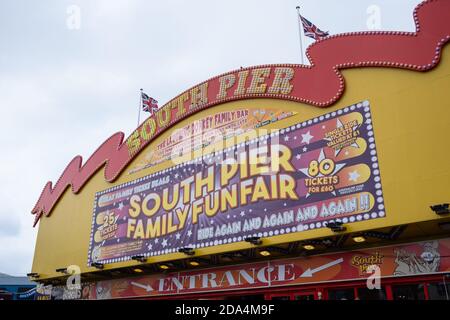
63 92
9 224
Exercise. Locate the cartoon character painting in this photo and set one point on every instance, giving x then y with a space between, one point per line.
104 290
408 263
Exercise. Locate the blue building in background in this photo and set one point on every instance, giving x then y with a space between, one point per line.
16 288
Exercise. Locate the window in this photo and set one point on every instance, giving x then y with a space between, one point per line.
408 292
284 298
304 297
374 294
439 291
5 295
341 294
246 297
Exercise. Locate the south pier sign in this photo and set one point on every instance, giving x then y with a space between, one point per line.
292 180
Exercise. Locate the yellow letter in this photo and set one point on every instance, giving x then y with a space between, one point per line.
227 171
281 83
226 82
167 116
260 191
150 212
175 195
133 142
241 83
287 187
178 104
186 186
197 207
200 182
199 95
139 234
182 215
212 210
153 230
146 134
130 229
228 199
281 156
245 190
135 203
258 77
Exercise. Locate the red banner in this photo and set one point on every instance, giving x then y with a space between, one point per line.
298 178
420 258
200 133
419 51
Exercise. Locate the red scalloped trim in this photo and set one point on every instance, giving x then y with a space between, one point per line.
320 84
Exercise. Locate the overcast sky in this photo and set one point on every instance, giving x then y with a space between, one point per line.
67 84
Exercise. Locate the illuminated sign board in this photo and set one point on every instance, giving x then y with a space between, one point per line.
420 258
289 180
418 51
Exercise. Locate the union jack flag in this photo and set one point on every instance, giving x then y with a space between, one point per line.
311 29
148 104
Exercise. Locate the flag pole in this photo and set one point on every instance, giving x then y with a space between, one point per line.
140 107
300 27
